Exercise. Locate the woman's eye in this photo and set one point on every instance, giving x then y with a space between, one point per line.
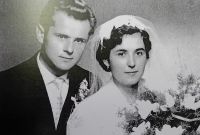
140 53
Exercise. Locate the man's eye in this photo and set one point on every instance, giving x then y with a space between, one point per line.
62 36
80 40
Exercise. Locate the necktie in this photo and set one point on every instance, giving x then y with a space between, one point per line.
59 101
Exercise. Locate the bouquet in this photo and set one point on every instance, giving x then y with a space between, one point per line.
186 108
173 112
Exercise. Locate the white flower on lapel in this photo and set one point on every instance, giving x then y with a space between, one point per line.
83 92
83 89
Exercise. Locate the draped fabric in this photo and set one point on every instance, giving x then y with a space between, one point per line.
161 69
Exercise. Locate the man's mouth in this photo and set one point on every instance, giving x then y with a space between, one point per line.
66 58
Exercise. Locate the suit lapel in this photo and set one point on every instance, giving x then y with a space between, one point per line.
75 78
44 115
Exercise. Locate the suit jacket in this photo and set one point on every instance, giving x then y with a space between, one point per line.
24 104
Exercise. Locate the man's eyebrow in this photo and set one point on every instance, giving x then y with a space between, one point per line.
63 35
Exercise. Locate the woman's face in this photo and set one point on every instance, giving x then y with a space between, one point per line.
128 60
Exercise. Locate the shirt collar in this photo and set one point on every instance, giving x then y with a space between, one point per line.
48 77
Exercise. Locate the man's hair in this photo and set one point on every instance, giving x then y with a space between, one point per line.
103 51
76 8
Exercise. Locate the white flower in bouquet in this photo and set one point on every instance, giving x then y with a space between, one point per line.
141 129
170 101
155 107
145 108
167 129
189 102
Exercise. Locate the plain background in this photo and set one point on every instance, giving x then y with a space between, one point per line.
177 23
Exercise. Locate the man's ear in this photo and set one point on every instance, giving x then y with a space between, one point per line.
40 33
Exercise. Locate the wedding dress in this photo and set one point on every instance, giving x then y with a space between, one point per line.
100 113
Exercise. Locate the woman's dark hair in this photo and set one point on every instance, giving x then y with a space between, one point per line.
103 51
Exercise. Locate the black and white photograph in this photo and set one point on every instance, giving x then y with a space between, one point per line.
99 67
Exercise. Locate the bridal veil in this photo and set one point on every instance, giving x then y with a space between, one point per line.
161 69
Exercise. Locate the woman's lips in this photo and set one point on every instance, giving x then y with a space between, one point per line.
131 72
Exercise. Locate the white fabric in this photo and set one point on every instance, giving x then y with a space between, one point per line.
161 69
53 91
58 101
98 114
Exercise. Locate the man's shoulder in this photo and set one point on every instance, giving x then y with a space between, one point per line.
79 72
19 70
79 69
78 75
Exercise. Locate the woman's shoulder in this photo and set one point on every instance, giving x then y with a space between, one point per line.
98 97
91 106
99 100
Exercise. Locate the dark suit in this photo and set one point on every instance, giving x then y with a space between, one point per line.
24 104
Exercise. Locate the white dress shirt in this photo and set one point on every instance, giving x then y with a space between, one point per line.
52 90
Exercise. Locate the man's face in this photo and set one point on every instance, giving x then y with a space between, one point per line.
128 60
65 41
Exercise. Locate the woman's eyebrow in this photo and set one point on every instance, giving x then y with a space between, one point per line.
140 49
121 50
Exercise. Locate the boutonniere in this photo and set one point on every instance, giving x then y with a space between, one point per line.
83 92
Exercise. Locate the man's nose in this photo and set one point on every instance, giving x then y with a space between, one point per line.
69 48
131 61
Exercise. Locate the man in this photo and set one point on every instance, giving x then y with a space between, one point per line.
35 96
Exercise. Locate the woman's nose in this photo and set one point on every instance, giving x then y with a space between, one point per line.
69 48
131 61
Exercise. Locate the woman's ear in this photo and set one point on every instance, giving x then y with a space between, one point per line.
106 63
40 33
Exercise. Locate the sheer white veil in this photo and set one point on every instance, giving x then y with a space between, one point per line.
159 73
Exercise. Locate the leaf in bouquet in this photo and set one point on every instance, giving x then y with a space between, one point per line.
148 95
172 93
158 119
121 112
132 116
133 123
150 131
185 125
132 119
160 97
190 133
191 79
190 127
197 113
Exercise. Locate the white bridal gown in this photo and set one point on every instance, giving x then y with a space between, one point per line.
98 114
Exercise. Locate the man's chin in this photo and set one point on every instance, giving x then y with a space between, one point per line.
65 67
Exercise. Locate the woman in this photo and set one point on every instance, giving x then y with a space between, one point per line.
122 47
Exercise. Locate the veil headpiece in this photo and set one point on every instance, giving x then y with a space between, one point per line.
158 74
